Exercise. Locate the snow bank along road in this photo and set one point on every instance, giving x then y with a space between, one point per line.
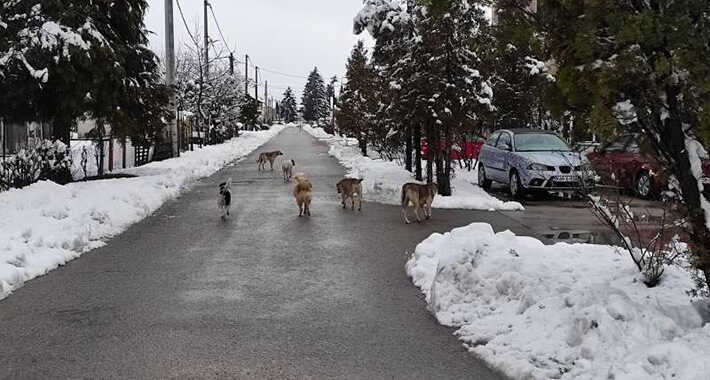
45 225
265 294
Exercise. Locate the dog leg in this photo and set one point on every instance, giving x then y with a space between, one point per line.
404 215
417 206
344 198
352 198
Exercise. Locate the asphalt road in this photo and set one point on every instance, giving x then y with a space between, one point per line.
264 295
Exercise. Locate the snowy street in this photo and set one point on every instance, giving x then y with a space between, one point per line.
265 294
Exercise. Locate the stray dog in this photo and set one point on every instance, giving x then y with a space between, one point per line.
303 191
287 169
224 200
350 188
267 157
421 196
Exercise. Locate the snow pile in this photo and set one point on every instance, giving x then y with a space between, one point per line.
562 311
46 225
383 180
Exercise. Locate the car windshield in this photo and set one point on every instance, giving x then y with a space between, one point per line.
539 142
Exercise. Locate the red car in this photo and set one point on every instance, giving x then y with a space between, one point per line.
462 150
623 163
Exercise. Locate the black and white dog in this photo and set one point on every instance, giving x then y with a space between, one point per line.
225 198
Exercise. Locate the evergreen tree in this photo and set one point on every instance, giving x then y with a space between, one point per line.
357 99
249 111
62 60
315 105
641 67
289 108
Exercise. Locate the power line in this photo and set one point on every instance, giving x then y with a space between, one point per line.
185 23
219 29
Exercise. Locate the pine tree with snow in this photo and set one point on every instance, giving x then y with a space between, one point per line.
357 98
641 67
60 60
315 105
289 108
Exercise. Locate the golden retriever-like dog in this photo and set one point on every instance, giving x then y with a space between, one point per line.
303 191
267 157
420 196
350 188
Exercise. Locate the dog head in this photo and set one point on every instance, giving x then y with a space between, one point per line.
225 186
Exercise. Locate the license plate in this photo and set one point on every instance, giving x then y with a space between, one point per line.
566 178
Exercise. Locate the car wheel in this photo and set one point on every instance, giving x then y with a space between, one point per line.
517 191
644 185
483 182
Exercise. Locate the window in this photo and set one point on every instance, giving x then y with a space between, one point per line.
504 142
492 140
540 142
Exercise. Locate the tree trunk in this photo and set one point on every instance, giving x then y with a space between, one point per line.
674 136
430 155
418 151
363 143
445 183
408 149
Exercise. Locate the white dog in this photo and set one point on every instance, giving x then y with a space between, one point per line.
287 169
224 200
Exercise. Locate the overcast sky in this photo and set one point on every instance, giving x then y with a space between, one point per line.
289 36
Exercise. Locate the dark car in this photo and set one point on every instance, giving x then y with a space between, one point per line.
627 163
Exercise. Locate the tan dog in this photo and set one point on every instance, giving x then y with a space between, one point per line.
350 188
303 191
421 197
267 157
287 169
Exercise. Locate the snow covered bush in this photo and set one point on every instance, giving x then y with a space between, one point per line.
560 311
46 161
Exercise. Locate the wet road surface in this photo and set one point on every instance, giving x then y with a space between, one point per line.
264 295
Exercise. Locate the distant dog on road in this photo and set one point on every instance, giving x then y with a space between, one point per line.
303 191
267 157
224 200
287 169
350 188
421 197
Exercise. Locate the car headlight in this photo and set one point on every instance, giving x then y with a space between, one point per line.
541 167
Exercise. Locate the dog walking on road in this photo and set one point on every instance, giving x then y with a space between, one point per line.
420 196
224 200
287 169
267 157
350 188
303 191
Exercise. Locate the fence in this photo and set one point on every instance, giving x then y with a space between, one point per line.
94 157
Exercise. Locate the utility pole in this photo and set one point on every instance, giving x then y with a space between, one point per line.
207 42
266 100
170 74
246 75
231 64
256 83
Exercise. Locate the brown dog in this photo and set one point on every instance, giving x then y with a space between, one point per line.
350 188
421 197
267 157
303 191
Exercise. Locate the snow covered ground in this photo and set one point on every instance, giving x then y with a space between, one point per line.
383 179
46 225
561 311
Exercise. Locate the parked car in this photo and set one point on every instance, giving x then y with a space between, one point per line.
626 163
461 150
531 160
